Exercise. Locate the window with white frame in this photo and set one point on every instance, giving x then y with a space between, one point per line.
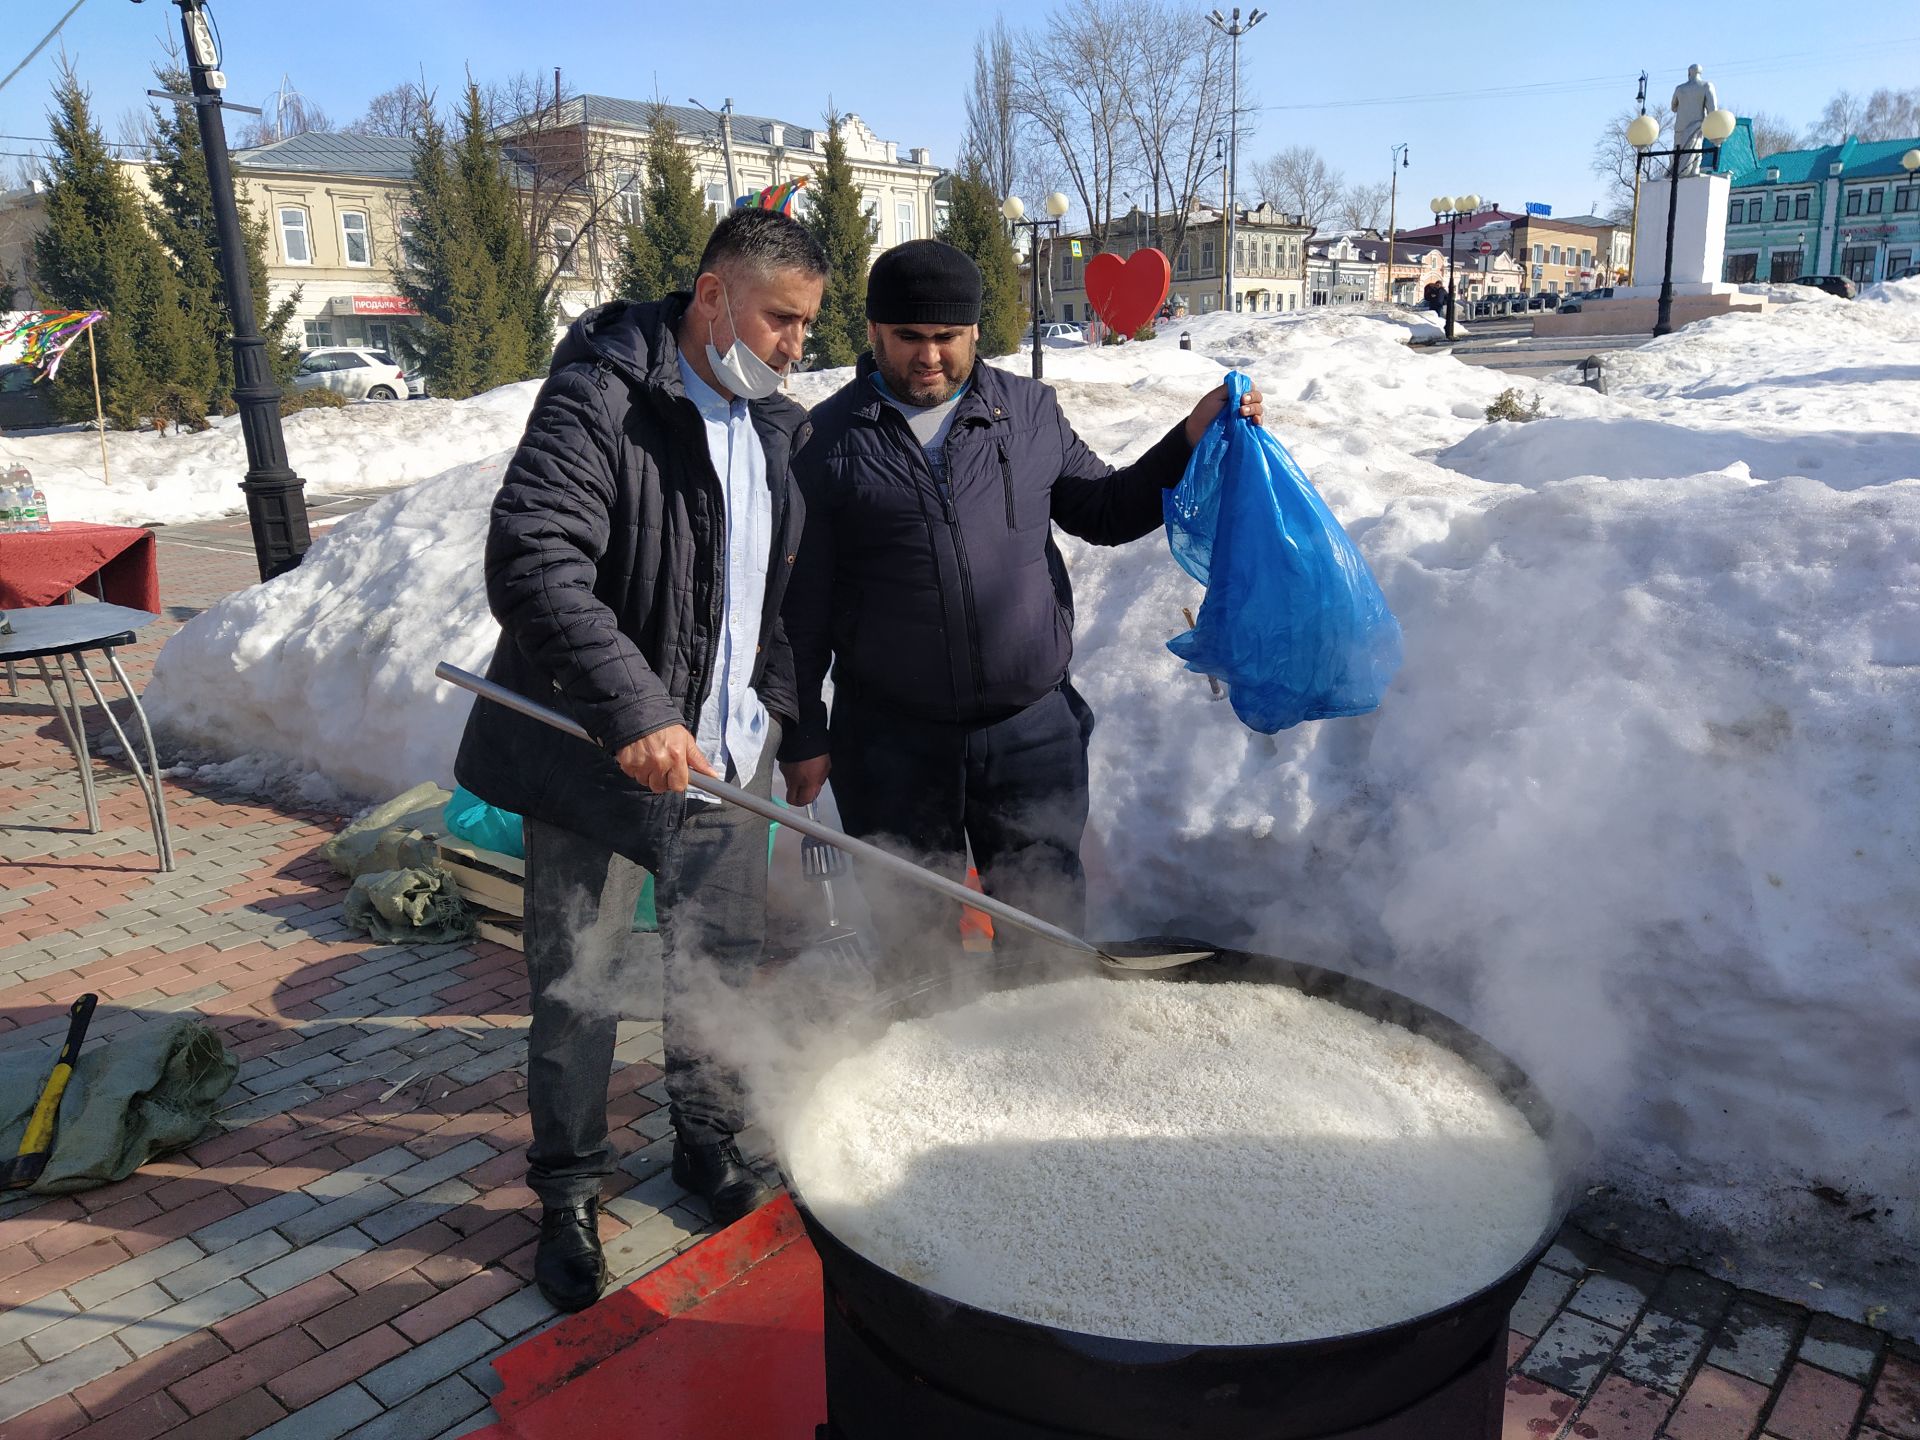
295 243
717 200
903 224
1539 253
564 250
409 252
319 334
626 196
1206 258
355 242
1854 201
1185 263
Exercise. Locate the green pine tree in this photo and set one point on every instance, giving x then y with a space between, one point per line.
96 253
661 253
183 219
838 219
974 225
469 268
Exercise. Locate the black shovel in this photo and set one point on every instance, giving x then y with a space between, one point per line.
1150 954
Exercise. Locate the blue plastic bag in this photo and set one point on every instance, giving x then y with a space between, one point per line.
1293 621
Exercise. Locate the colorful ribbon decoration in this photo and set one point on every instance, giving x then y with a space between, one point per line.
777 198
44 335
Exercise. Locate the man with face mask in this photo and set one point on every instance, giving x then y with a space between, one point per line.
639 550
929 580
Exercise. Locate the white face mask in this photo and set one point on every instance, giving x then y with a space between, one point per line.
743 372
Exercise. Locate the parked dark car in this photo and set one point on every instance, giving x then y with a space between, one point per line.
1911 272
24 405
1833 284
1543 300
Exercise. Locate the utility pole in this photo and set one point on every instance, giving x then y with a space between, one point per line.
725 116
1633 225
276 500
1233 28
1397 160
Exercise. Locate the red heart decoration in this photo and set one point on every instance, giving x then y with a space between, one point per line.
1127 293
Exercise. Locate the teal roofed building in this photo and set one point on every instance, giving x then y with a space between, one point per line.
1851 209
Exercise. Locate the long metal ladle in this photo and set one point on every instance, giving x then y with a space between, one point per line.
1149 954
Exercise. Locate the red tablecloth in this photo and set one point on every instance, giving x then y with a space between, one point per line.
116 562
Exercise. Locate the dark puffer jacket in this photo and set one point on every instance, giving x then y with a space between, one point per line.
603 566
950 603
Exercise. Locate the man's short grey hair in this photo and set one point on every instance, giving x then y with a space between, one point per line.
763 242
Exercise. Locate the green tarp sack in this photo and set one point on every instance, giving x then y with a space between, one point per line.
143 1093
400 892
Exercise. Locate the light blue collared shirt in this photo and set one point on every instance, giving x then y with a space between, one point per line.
732 729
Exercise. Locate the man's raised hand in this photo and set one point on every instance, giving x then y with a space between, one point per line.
662 760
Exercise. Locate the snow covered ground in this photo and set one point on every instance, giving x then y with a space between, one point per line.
1641 805
181 476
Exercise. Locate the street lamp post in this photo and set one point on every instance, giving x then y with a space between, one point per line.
1013 208
1397 160
1641 134
1450 210
1234 29
276 502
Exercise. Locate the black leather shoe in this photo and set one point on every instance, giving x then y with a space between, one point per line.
568 1266
718 1175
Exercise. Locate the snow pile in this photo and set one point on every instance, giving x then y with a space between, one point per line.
1356 1174
1641 805
173 478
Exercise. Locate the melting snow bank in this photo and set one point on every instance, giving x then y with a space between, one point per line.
1641 806
171 479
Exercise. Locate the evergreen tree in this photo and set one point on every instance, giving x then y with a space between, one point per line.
96 253
469 268
974 225
183 219
838 220
661 253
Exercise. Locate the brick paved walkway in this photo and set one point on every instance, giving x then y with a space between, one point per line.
347 1250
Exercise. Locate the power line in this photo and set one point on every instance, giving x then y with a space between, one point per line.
1752 66
45 41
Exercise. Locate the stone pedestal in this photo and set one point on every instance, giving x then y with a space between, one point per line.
1633 310
1699 236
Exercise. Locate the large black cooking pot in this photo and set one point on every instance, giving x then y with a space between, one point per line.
1142 1390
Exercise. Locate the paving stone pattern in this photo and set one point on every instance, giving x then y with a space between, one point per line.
350 1245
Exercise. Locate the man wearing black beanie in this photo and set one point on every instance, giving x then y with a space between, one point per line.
928 579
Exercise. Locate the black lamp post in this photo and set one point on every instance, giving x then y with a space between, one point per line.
276 502
1450 210
1013 208
1641 134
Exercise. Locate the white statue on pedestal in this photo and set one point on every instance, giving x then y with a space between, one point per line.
1693 101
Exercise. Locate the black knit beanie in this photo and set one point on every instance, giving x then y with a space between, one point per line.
924 282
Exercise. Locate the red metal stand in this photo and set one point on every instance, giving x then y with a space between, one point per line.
721 1341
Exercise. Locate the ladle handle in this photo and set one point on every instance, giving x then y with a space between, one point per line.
792 819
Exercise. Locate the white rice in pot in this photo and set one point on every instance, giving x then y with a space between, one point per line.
1222 1164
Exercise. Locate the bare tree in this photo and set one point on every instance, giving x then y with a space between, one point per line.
1179 95
575 184
394 113
136 135
288 113
1614 158
994 121
1364 207
1299 181
1771 135
1076 87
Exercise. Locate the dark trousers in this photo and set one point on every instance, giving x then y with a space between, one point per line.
1014 791
713 923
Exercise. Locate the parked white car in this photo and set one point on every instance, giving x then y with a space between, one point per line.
1061 330
356 374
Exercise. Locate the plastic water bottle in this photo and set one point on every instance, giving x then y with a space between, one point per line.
13 503
42 520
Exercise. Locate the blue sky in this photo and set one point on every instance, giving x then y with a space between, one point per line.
1513 119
